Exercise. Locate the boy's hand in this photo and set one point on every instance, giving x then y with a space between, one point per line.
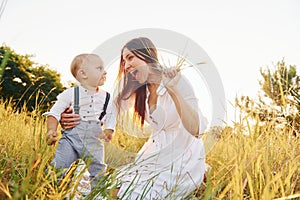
109 134
51 137
106 135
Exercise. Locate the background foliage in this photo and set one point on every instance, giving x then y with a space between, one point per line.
25 83
277 102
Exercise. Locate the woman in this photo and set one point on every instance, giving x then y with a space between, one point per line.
171 163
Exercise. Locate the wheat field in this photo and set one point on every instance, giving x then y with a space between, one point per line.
264 164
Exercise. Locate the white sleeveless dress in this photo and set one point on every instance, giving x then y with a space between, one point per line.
171 163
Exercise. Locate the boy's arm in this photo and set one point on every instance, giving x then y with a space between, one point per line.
111 116
110 121
52 124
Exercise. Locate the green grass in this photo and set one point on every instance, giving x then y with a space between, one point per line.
262 165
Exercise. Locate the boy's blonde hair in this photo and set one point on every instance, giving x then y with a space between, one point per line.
79 60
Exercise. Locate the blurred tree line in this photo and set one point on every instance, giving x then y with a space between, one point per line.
26 84
278 101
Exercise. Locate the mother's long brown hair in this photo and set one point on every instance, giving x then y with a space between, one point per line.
144 49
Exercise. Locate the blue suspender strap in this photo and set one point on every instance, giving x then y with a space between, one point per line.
105 106
76 100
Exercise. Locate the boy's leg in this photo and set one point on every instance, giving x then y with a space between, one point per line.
65 154
97 167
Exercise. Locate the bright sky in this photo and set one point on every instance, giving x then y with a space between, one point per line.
238 36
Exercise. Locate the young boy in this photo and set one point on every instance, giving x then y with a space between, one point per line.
83 141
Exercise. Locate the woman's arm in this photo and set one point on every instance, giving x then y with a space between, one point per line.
188 115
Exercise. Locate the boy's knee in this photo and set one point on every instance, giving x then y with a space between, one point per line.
97 169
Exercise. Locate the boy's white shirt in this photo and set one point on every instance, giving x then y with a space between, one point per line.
91 106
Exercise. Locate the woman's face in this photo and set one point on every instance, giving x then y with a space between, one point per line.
138 68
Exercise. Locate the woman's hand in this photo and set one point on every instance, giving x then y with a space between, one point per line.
68 119
171 77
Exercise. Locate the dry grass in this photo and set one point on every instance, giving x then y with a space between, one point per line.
263 165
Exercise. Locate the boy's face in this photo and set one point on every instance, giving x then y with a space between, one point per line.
103 78
94 70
